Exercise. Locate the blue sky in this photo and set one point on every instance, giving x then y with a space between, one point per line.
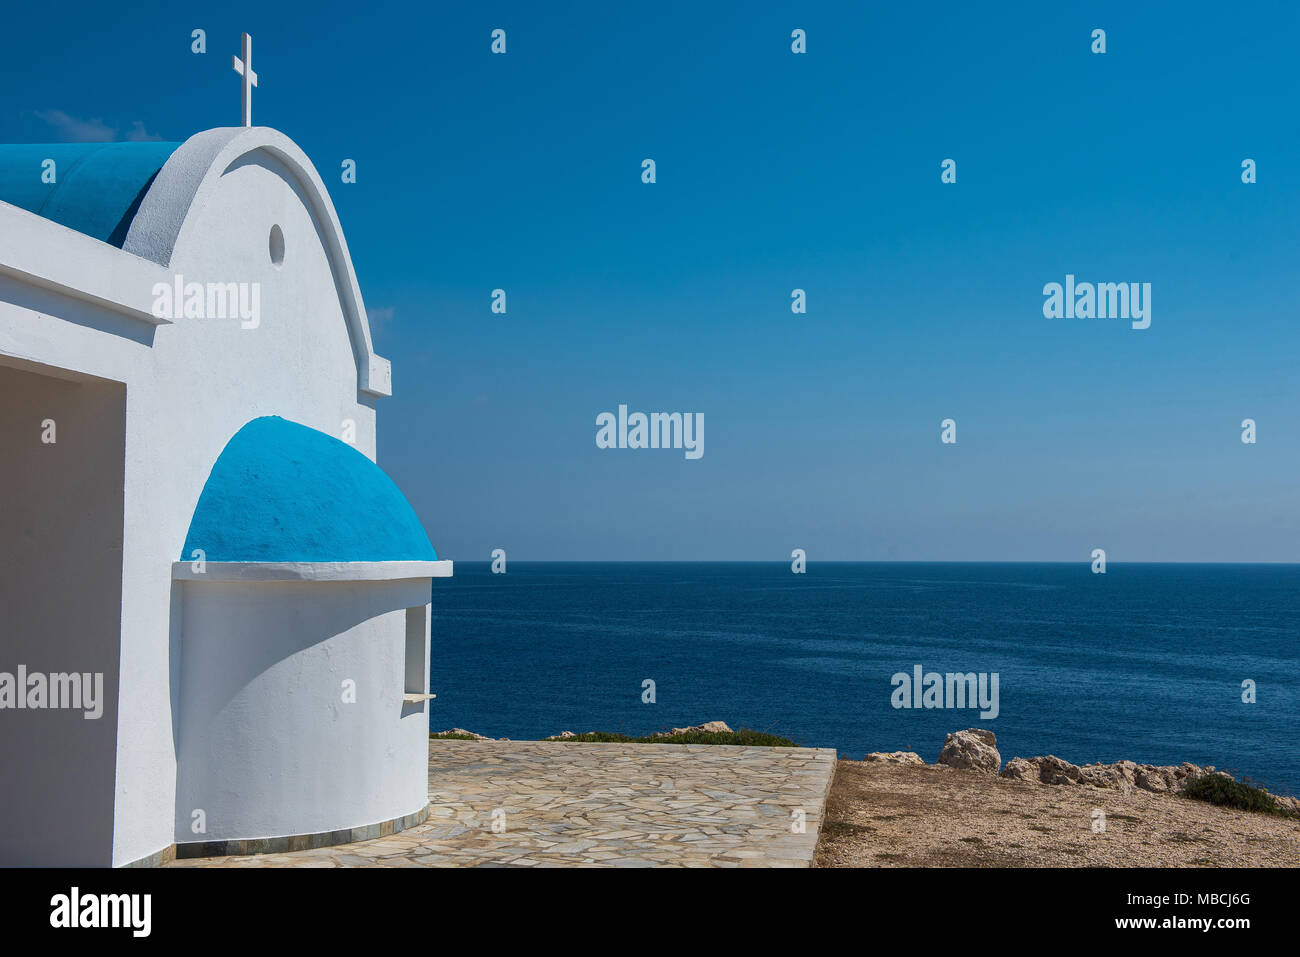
776 171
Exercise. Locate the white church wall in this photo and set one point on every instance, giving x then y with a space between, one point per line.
209 377
50 330
292 718
191 384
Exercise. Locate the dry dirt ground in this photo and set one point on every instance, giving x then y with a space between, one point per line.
887 815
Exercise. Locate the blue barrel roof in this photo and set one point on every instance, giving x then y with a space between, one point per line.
281 492
97 189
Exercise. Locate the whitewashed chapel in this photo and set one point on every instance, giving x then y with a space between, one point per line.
214 606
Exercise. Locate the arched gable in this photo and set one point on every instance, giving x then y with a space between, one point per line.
191 175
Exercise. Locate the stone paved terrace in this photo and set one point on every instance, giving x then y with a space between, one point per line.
597 805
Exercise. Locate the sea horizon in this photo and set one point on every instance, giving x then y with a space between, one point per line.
1145 662
842 561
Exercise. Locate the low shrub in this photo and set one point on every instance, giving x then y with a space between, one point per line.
1229 792
746 737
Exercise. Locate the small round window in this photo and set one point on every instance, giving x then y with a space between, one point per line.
277 246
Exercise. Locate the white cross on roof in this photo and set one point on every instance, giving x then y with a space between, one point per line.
244 68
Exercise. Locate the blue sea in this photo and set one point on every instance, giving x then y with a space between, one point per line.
1144 662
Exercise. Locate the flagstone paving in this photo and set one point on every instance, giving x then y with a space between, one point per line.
598 805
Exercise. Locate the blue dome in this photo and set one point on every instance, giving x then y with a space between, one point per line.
98 186
281 492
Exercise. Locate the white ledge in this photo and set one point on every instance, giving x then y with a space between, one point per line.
309 571
415 698
47 254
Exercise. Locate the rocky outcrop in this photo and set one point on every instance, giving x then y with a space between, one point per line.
1019 769
895 757
1119 776
1124 776
1289 804
973 749
1054 770
461 733
709 727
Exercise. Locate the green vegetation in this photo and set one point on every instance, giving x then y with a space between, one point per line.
1229 792
745 736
